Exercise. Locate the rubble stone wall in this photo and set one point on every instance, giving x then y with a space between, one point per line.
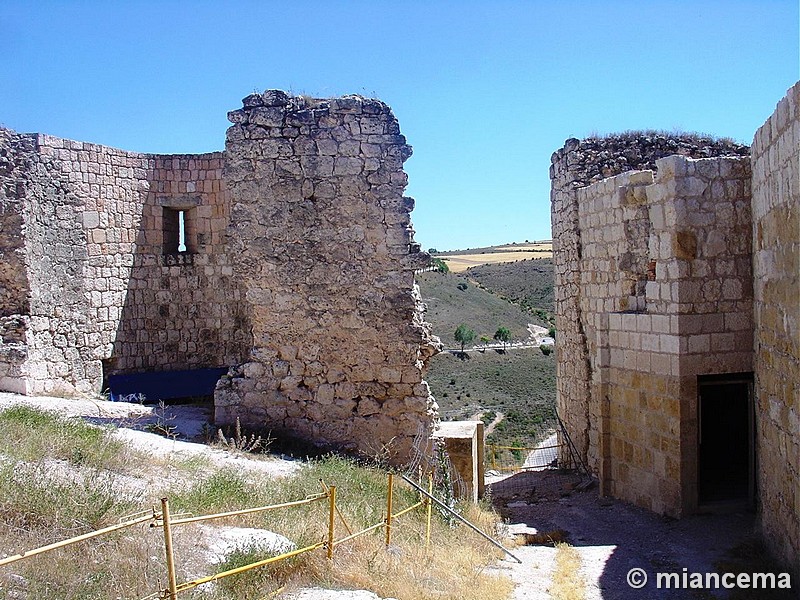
776 250
324 249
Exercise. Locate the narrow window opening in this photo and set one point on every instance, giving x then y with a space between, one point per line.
177 230
181 231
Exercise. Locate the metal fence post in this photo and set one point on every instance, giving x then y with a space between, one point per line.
331 519
172 580
429 504
389 510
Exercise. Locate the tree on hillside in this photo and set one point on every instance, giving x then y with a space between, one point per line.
464 335
439 265
485 339
502 335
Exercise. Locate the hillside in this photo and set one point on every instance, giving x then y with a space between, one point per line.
528 283
450 305
518 384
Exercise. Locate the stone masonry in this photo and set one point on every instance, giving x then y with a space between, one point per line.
676 261
776 290
296 270
326 259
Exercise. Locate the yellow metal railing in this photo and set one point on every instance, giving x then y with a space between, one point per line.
512 459
164 520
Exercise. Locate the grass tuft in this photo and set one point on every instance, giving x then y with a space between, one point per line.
28 434
568 583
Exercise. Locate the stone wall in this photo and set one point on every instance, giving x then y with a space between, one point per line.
103 281
776 249
713 291
652 273
325 253
577 165
295 268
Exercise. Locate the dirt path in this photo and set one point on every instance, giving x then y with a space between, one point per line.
611 537
490 427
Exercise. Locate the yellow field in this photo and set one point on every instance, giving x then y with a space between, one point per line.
500 254
544 246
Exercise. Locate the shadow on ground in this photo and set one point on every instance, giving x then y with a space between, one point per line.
614 537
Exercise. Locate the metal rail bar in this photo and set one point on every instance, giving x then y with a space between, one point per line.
172 582
460 518
80 538
338 512
409 509
358 533
193 584
246 511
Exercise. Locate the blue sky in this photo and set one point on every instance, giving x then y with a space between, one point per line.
484 91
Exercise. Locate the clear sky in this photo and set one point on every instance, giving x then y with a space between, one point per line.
484 90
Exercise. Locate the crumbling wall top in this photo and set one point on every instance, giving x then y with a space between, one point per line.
596 158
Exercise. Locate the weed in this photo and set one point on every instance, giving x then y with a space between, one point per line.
27 434
163 424
242 442
256 583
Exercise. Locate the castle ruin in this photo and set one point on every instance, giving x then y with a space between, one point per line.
677 264
286 262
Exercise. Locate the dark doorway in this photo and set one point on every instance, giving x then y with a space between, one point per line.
725 453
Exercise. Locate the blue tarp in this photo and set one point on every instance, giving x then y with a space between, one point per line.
164 385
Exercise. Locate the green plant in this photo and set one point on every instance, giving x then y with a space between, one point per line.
440 265
504 335
28 434
253 583
546 349
464 335
163 423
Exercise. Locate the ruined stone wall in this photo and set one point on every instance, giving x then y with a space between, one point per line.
297 271
655 274
183 310
776 248
323 243
103 284
16 163
617 267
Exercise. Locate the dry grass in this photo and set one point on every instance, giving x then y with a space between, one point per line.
39 505
567 582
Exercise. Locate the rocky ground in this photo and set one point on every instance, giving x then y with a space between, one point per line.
613 537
